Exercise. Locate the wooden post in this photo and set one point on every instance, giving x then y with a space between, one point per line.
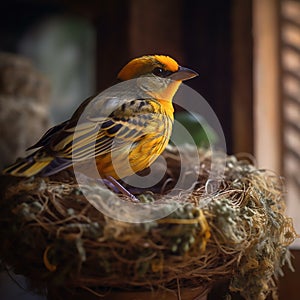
267 115
242 76
112 41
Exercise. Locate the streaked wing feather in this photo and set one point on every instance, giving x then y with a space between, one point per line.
101 143
93 134
93 138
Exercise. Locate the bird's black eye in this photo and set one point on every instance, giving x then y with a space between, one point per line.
161 72
158 71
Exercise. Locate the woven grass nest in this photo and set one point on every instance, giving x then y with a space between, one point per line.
52 235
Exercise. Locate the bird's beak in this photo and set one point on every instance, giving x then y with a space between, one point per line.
183 74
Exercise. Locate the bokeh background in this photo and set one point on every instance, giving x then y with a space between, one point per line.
247 53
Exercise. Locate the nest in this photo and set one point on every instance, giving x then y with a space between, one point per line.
52 235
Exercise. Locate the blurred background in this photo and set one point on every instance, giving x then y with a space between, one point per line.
247 53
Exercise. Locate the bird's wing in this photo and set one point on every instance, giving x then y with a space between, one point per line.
93 134
100 106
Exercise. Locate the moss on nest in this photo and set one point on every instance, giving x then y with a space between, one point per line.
51 234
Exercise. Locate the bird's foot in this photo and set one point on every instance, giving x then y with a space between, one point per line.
120 188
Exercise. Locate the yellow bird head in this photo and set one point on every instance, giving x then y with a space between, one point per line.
155 65
160 75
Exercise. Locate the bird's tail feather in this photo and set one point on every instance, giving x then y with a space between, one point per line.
28 166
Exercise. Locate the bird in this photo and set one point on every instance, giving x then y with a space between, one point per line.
123 130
